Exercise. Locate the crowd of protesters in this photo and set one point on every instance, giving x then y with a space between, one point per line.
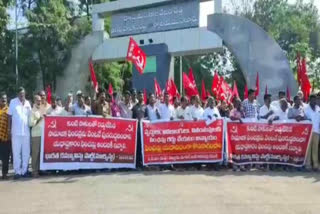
21 123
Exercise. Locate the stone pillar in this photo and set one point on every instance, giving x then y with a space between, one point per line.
218 6
97 23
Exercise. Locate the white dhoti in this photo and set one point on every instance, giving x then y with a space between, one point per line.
21 153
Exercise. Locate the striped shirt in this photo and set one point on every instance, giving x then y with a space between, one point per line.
4 123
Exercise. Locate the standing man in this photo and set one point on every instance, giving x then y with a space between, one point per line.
101 106
4 135
126 106
296 112
80 108
55 109
196 111
69 103
36 123
250 105
152 111
183 112
134 99
19 112
44 104
267 109
276 103
138 112
282 113
211 112
166 109
312 113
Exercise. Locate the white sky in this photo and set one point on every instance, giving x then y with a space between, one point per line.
207 8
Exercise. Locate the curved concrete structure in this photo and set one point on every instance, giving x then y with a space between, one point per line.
255 51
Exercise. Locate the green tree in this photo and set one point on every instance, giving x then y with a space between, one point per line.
7 74
295 27
49 23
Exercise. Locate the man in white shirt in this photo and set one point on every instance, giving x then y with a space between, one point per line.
312 113
183 111
196 111
55 109
211 112
126 106
300 94
19 112
152 111
267 110
276 103
166 109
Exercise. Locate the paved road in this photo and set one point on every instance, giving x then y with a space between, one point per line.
165 192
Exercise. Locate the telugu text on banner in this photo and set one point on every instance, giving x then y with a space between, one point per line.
279 143
88 142
182 142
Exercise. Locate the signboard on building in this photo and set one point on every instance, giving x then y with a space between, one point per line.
175 15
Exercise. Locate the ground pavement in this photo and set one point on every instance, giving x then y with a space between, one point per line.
193 192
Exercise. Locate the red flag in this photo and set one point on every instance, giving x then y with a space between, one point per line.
245 94
204 95
257 85
288 94
235 92
136 55
172 90
266 90
175 89
305 83
145 97
193 81
49 94
157 89
215 84
208 93
110 89
225 92
189 88
93 76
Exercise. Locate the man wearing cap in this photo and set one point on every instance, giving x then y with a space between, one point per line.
19 112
